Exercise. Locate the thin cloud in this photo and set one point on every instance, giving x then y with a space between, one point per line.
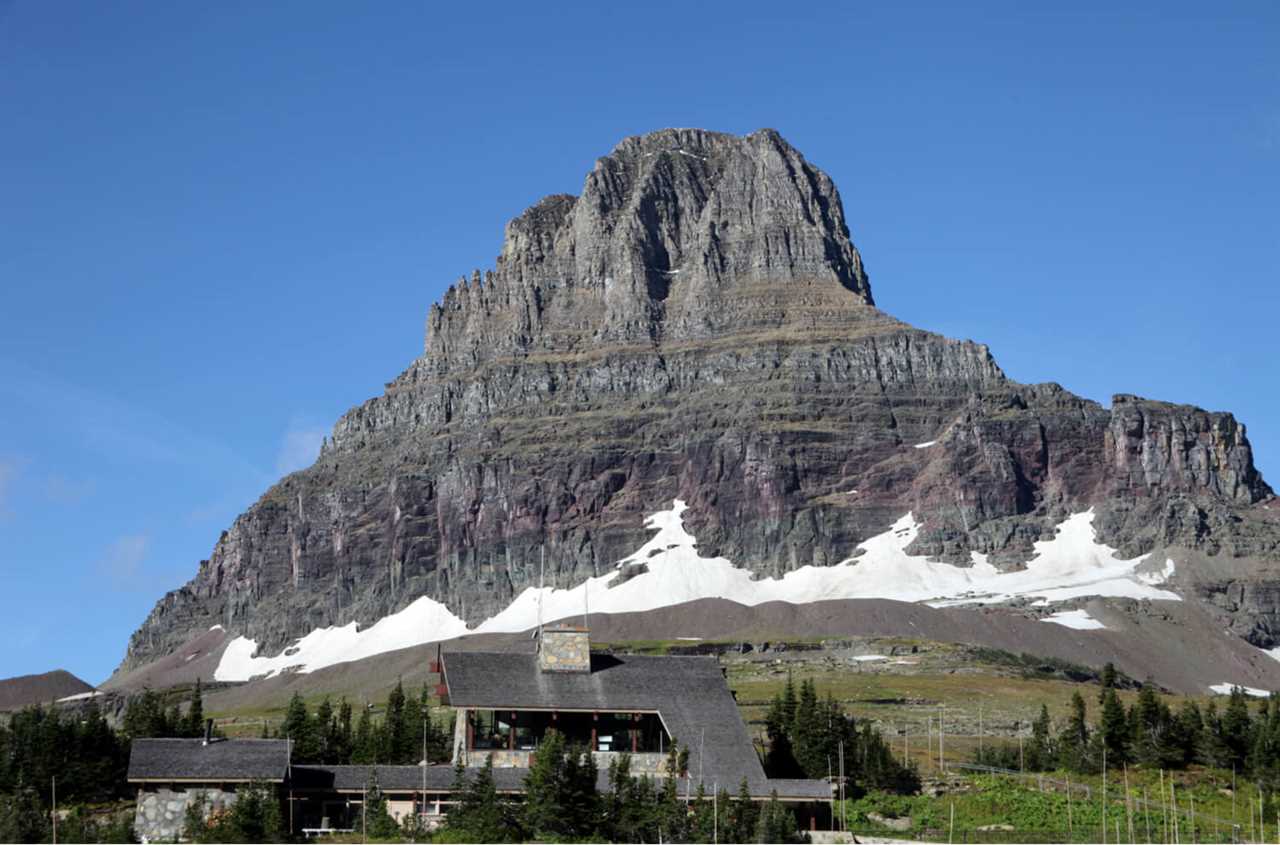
10 467
122 562
68 491
113 427
299 448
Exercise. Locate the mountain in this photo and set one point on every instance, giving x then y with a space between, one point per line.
25 690
691 347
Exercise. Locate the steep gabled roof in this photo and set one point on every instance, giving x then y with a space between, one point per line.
220 760
689 693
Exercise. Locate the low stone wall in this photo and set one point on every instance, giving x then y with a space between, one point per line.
162 813
641 764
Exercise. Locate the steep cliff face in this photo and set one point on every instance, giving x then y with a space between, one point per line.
696 324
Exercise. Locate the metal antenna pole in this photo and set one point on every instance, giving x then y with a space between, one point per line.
55 809
423 811
702 744
542 579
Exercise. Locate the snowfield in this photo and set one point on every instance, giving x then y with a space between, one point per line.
1225 689
1071 565
1078 619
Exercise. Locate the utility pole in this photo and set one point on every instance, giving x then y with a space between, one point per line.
843 825
1069 805
54 795
942 761
422 812
1146 813
1104 793
1128 805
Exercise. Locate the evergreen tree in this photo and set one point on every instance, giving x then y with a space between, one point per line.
365 742
399 742
745 817
1237 733
325 733
1114 728
777 823
1040 753
480 815
1073 744
194 723
560 791
343 741
1108 680
299 728
1212 750
780 761
377 822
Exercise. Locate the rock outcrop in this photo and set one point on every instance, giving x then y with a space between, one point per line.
696 324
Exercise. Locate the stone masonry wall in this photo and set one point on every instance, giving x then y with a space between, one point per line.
564 650
161 814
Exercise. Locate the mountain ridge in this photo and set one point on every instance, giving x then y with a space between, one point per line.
697 324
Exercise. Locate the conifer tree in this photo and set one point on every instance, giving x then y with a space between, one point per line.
194 723
1114 729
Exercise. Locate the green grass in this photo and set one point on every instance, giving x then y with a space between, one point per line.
1014 809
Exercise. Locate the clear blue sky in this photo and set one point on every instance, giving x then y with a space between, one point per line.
222 224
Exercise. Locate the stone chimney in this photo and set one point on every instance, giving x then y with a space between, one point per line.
564 648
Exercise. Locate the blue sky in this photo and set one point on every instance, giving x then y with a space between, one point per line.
222 224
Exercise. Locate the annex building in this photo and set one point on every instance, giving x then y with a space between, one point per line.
505 703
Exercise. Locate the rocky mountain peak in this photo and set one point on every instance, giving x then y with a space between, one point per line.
677 234
696 325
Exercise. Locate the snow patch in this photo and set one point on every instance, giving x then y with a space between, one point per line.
1070 565
424 621
870 658
926 444
1225 689
80 696
1078 619
216 628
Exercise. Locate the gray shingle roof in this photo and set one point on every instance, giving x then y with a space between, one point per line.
220 760
395 778
689 693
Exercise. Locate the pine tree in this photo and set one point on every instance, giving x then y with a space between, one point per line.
365 742
777 823
1074 742
480 815
399 735
746 816
1114 728
1039 752
325 732
1108 680
299 728
377 821
344 739
780 761
193 726
1237 729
